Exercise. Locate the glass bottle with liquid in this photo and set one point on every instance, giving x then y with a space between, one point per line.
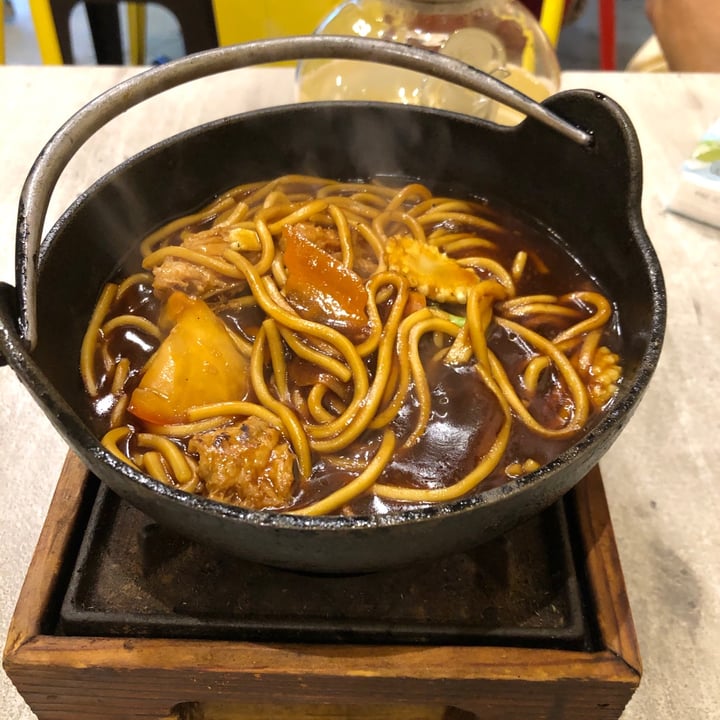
501 37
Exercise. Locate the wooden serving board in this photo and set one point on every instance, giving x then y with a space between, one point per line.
126 678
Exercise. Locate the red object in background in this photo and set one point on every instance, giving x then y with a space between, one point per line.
606 22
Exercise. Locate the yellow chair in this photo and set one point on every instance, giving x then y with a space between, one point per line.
551 19
235 21
51 19
45 32
238 22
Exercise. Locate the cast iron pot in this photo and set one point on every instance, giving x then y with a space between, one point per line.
574 164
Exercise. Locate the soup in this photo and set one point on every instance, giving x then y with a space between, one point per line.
310 346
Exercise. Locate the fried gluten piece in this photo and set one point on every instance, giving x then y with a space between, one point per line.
193 278
247 464
431 272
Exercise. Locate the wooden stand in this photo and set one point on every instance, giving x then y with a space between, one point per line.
83 678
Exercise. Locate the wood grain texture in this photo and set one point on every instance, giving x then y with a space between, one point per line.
603 566
137 678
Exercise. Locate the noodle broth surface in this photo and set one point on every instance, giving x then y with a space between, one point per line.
310 346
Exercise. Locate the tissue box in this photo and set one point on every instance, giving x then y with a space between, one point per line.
698 193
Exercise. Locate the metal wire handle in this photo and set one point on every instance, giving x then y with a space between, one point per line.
46 170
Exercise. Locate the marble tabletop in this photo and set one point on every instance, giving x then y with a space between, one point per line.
660 476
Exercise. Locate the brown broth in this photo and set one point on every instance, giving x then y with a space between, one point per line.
465 416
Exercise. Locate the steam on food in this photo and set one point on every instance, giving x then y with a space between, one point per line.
316 347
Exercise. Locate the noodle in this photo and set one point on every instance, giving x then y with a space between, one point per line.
135 279
288 417
198 258
360 484
326 362
573 382
394 218
422 390
472 479
307 346
139 323
179 466
89 344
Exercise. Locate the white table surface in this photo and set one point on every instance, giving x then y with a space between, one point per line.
660 477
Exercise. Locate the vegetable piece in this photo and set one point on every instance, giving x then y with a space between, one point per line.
603 375
428 270
320 287
198 363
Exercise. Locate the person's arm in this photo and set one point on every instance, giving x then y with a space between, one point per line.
688 32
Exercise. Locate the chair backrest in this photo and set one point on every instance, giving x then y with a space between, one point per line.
238 22
51 19
234 22
46 32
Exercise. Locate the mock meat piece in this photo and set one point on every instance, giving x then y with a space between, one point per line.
193 278
247 463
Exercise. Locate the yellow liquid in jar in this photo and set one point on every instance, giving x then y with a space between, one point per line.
355 80
536 88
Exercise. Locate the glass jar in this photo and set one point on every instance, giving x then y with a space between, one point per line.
501 37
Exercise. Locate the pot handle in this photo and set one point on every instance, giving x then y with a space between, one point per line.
80 127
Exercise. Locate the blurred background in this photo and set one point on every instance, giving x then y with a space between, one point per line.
578 46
